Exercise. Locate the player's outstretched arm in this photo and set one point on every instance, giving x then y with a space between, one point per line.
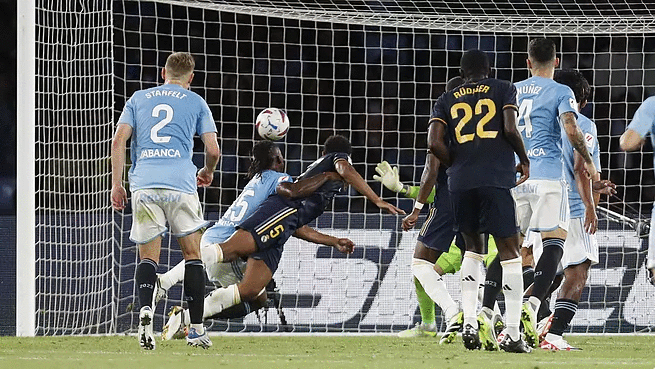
389 177
118 144
350 175
212 153
428 179
631 140
515 140
305 187
306 233
576 138
589 200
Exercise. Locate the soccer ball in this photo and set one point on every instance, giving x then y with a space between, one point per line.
272 124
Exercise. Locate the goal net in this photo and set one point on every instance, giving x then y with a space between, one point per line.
369 70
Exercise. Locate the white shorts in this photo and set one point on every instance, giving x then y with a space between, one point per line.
151 208
579 246
224 274
541 205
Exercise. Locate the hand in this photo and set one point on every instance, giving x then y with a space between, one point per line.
524 169
388 176
410 221
344 245
604 187
390 208
590 220
205 177
118 197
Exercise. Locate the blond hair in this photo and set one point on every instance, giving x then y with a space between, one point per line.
179 65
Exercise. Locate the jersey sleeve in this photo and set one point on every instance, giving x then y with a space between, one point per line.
509 100
644 118
438 112
591 140
341 156
128 114
205 122
567 103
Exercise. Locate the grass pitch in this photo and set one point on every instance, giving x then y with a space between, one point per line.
264 352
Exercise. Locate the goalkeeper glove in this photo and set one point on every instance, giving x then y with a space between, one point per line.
389 177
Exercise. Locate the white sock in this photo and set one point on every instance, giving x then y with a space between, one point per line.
211 254
535 303
173 276
471 275
487 312
199 328
221 299
434 286
513 291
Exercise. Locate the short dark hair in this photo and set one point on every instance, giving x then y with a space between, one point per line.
541 50
574 79
337 143
262 158
474 61
454 82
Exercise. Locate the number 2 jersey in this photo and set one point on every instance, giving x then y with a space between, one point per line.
473 114
258 189
164 120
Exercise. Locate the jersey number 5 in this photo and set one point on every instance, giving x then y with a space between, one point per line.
468 115
156 111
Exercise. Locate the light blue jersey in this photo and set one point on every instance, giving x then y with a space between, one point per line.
644 120
590 134
164 120
541 102
256 191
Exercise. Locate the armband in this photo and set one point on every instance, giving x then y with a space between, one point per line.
418 205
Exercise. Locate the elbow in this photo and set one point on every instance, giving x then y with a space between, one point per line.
285 190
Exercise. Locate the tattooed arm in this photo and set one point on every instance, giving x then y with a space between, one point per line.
576 138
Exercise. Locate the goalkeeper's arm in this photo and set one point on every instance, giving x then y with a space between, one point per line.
389 177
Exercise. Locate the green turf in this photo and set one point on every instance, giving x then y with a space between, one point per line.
266 352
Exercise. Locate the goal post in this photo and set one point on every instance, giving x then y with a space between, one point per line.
25 187
368 70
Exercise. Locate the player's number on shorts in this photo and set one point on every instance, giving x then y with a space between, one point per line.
242 206
468 115
156 112
525 109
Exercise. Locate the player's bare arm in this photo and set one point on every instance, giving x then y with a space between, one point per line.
352 177
306 233
583 184
576 138
305 187
118 144
212 153
513 136
631 140
428 179
437 141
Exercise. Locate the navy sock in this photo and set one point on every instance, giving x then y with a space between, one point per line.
547 266
493 283
194 289
528 276
146 277
565 309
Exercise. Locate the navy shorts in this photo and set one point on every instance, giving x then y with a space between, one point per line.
271 225
438 230
485 210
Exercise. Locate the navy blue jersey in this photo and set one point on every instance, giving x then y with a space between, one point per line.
473 113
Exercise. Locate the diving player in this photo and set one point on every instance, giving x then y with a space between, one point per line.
260 238
479 121
546 106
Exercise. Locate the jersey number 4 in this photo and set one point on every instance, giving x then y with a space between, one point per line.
468 115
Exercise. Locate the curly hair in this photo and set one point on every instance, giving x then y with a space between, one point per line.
262 158
337 143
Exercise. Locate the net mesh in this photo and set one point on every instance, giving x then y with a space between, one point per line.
368 70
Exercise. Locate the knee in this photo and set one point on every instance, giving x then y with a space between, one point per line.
250 292
421 268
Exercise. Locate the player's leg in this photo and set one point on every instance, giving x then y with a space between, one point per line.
428 284
450 263
147 229
499 218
